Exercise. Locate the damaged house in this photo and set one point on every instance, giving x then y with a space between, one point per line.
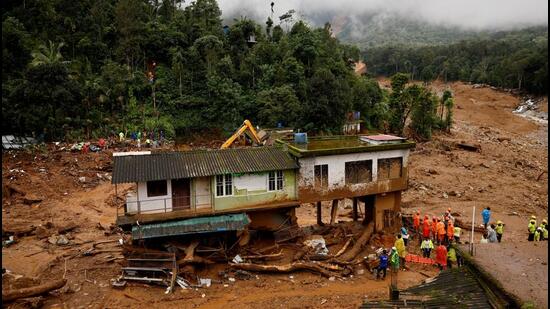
369 169
178 193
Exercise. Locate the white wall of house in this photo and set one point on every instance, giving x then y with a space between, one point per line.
337 166
251 182
203 193
149 204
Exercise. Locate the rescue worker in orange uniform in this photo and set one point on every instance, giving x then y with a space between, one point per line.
441 232
416 222
441 256
434 228
450 232
426 227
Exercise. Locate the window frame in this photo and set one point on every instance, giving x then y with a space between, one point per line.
156 185
275 181
322 183
224 183
387 162
353 165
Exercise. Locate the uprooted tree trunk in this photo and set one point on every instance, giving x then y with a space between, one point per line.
358 246
11 295
287 268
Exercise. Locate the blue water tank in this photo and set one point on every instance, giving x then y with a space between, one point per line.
300 138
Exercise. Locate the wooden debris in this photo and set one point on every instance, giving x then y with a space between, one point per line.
16 188
190 251
11 295
300 254
266 249
194 260
18 231
263 256
341 251
31 199
361 242
67 228
285 268
469 147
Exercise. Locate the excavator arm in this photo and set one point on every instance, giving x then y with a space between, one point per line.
246 126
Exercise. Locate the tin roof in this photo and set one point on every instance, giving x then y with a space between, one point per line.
383 137
197 163
221 223
451 288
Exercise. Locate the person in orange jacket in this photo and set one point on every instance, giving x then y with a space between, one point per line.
441 256
434 228
450 232
441 232
416 222
426 227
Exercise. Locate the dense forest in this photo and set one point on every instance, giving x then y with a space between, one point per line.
83 69
74 69
515 59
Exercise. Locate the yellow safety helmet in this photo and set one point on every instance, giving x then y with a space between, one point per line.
499 222
544 221
533 217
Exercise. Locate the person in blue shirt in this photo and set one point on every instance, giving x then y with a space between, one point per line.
486 214
405 235
383 265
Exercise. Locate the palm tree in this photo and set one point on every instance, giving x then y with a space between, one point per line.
48 54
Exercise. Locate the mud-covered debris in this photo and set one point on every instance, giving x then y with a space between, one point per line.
31 198
237 259
10 241
317 243
60 240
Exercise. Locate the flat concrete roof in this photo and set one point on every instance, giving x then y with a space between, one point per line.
342 144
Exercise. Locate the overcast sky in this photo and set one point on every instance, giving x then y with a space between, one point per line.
467 14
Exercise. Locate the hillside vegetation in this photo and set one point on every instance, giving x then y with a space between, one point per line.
74 69
515 59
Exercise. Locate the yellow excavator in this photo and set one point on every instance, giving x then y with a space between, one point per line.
249 130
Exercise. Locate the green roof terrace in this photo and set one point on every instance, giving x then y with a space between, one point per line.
342 144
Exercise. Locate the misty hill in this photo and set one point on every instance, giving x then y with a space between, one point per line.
390 30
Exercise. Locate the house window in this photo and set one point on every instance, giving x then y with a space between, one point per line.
389 168
321 176
358 172
275 180
156 188
224 185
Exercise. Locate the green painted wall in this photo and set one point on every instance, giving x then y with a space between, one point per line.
244 198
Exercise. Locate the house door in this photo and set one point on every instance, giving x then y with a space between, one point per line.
181 194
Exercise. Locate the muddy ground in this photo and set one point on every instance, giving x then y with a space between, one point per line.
509 174
521 268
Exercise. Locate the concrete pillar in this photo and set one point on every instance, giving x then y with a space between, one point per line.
333 212
369 209
319 218
355 215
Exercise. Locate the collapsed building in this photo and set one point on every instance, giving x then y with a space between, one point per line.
201 191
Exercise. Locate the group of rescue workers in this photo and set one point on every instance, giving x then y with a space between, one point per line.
440 231
537 233
443 232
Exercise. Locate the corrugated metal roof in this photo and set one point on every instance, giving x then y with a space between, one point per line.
231 222
189 164
452 288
